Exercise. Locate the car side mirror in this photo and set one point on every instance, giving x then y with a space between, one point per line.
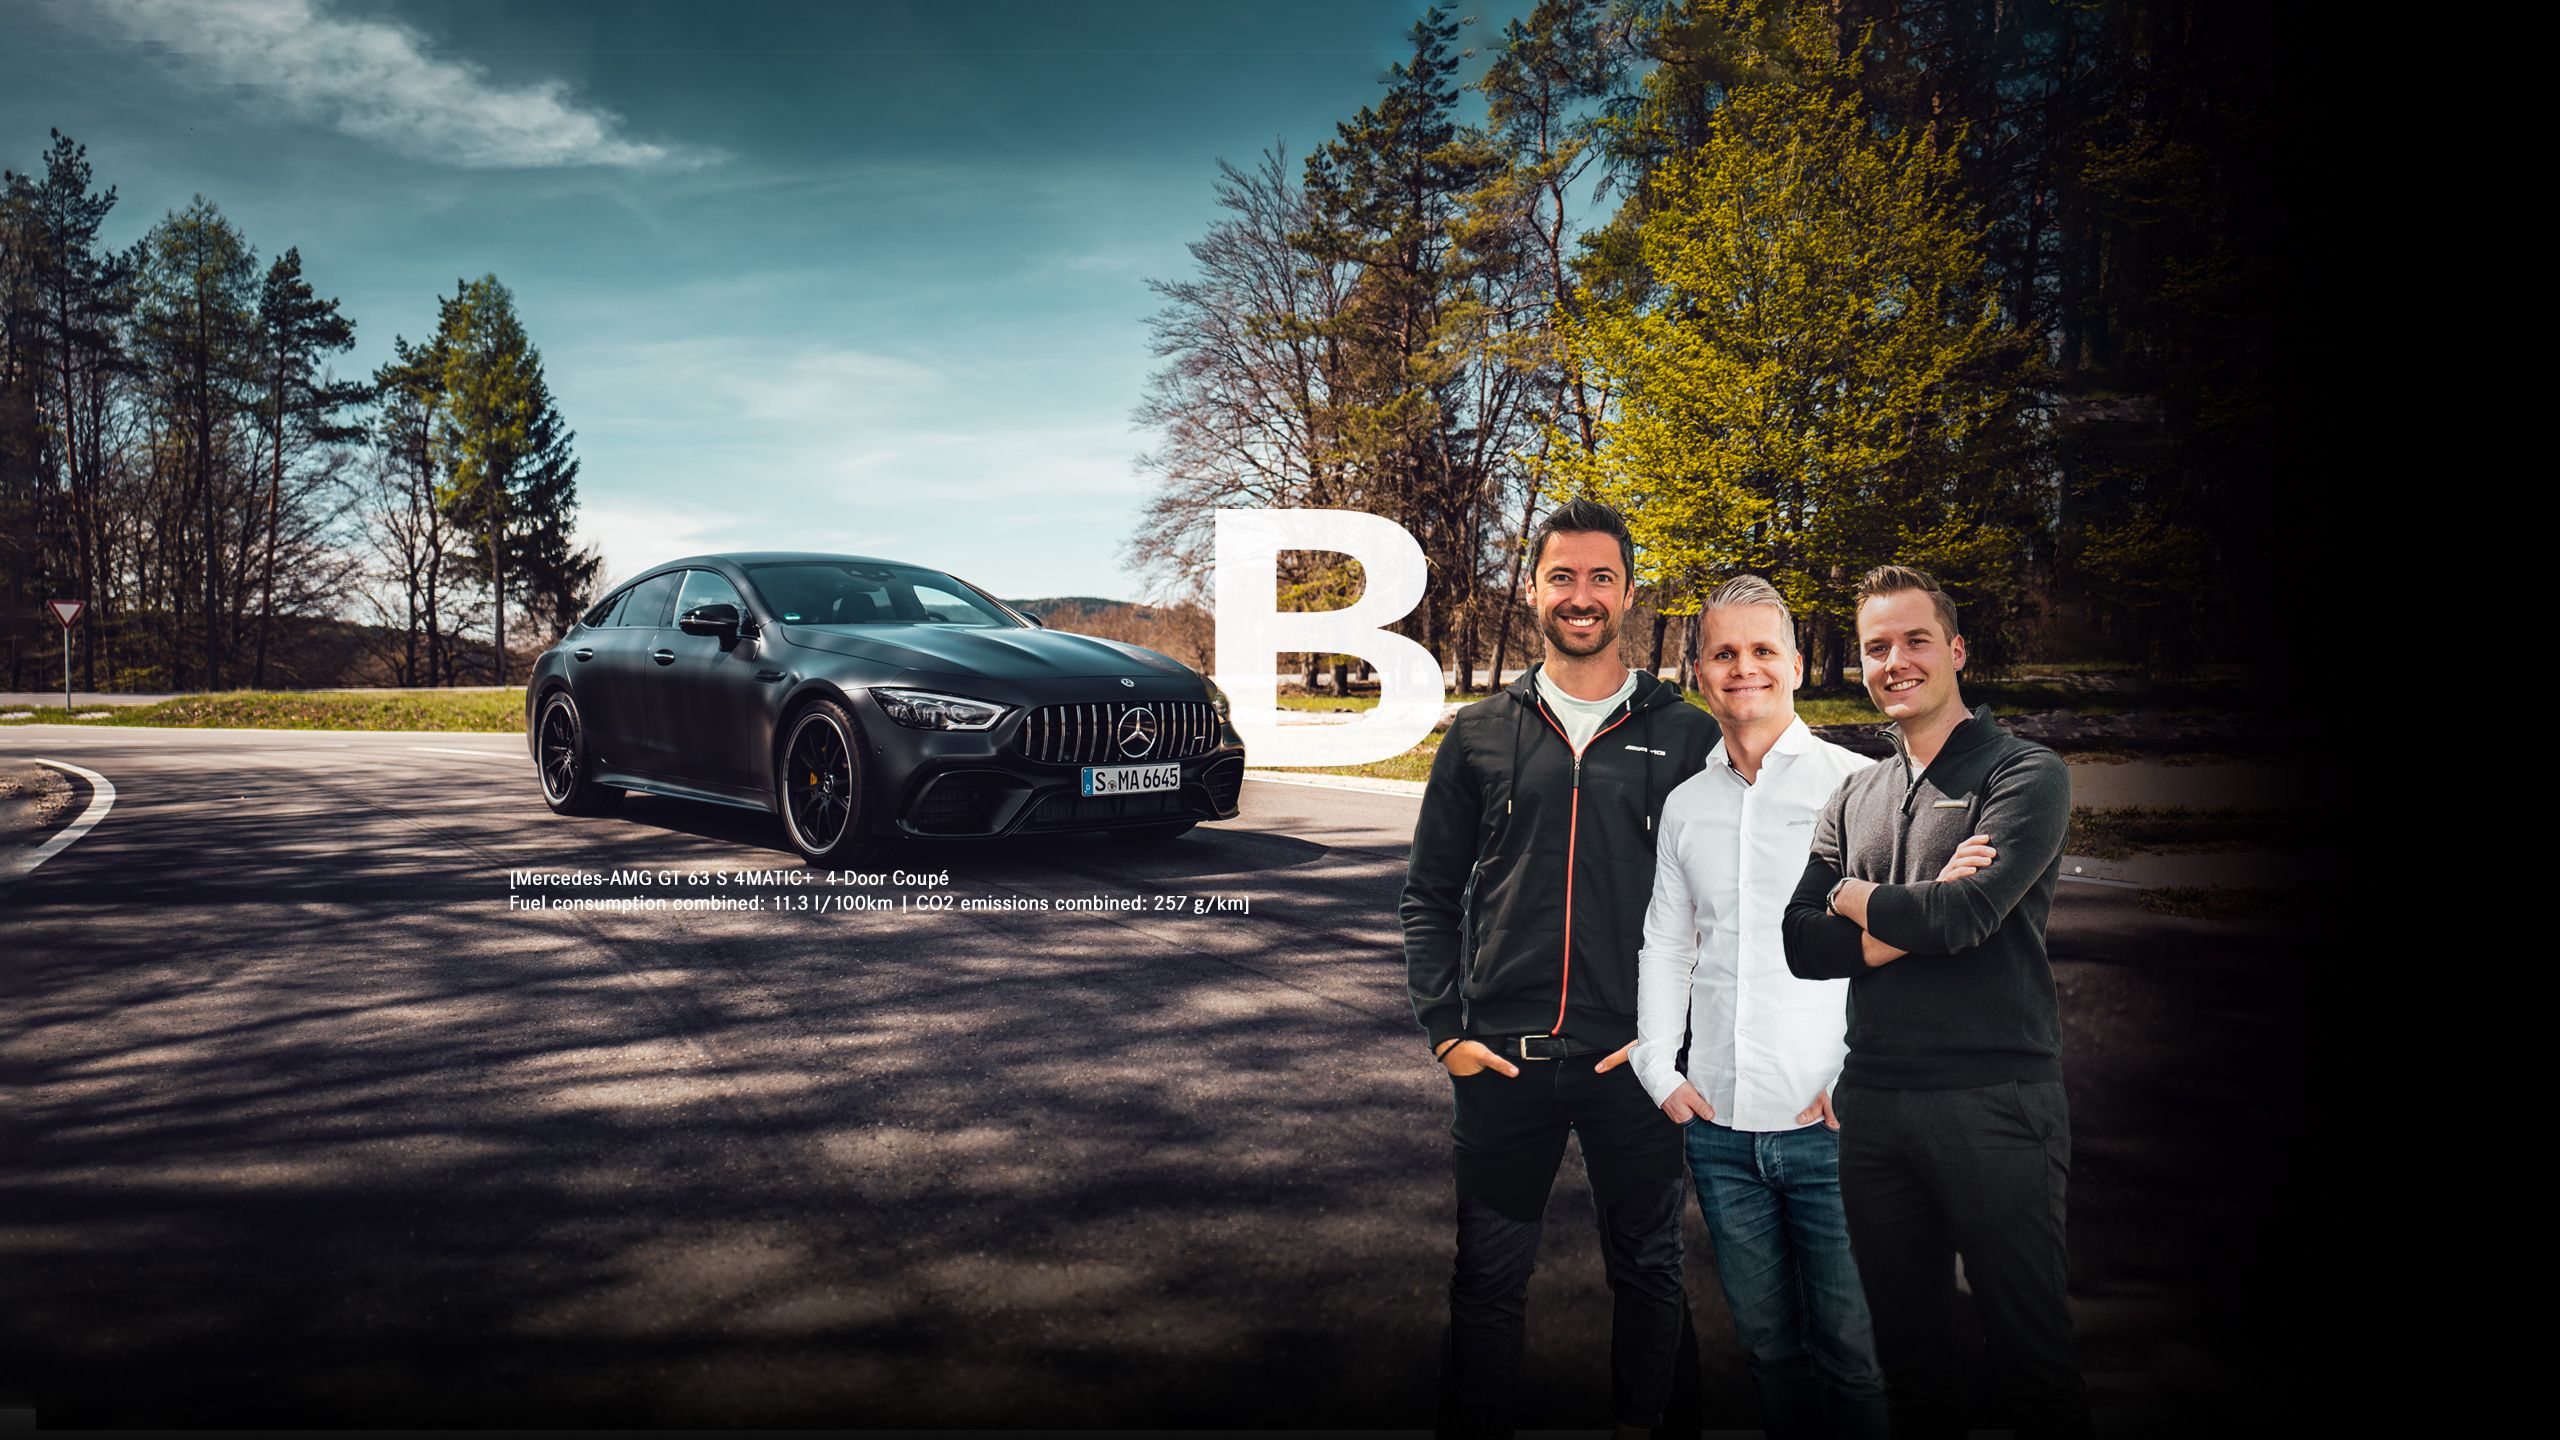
719 619
1036 622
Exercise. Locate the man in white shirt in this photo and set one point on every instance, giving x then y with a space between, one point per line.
1763 1046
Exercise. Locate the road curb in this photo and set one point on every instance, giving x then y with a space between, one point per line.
102 798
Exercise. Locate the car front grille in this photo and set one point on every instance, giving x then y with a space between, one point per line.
1089 734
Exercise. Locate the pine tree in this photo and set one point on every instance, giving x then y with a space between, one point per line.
198 338
1384 194
300 405
510 476
78 295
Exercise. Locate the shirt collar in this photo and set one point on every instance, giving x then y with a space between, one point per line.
1794 740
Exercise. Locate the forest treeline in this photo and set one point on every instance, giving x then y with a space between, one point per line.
1985 286
177 453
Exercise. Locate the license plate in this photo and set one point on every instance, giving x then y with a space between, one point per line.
1131 779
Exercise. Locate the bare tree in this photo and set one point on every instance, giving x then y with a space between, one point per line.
1244 399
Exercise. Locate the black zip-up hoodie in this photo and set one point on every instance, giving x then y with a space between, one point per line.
1496 941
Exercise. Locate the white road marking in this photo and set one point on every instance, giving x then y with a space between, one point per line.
474 754
102 798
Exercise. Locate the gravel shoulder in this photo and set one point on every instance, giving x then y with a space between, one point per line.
35 800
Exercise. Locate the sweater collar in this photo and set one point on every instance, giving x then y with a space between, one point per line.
1973 730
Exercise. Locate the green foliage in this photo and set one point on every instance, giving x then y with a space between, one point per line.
1807 385
199 320
510 477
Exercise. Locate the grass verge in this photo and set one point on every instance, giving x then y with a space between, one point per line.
486 711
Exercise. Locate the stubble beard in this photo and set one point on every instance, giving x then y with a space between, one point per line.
1603 640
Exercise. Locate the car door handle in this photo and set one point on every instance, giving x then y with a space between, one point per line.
583 653
663 657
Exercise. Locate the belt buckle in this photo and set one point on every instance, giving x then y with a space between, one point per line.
1528 1040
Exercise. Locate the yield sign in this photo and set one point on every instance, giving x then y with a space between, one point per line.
66 611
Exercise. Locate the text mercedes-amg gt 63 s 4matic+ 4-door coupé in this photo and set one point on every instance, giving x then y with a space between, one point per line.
864 700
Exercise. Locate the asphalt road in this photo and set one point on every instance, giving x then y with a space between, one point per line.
309 1123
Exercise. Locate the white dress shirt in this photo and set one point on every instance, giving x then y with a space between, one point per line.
1762 1043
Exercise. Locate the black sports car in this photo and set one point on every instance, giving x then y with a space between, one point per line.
863 700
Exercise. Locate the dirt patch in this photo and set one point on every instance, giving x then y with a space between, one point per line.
2224 902
2111 832
33 800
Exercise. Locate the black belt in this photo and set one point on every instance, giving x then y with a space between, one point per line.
1538 1047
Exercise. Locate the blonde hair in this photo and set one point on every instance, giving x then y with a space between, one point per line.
1752 590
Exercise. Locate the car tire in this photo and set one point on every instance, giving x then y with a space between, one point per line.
821 785
565 763
1155 834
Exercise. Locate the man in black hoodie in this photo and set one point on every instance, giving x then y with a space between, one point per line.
1954 1137
1523 911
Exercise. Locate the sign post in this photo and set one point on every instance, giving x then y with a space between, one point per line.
66 611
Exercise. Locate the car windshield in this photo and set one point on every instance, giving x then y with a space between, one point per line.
861 592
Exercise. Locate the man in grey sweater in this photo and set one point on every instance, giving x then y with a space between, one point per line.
1954 1136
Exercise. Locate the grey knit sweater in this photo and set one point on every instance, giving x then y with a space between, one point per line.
1972 1002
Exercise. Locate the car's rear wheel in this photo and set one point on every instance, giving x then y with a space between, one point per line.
1155 834
568 767
821 785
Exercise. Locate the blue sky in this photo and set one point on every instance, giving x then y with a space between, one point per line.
859 276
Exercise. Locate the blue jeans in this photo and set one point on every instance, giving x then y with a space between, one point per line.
1772 1204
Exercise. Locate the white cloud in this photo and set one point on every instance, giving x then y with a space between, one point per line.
376 80
767 381
636 533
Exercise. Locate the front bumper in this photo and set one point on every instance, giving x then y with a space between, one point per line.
953 784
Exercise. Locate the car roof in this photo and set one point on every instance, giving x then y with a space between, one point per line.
768 557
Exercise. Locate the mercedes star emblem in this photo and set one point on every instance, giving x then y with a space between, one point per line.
1137 732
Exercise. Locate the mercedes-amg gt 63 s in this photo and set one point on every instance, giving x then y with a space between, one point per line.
865 700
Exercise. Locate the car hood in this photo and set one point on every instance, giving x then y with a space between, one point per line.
997 654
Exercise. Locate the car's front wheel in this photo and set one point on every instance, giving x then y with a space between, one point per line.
568 767
820 785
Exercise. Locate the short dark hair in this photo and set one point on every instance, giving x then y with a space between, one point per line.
1894 579
1582 516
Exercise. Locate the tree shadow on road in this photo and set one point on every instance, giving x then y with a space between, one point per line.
309 1126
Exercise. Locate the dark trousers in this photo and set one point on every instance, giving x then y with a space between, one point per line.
1510 1138
1928 1175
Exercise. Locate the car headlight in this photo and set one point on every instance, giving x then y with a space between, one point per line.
1218 702
925 710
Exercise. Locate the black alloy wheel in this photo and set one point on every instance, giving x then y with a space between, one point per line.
568 767
819 787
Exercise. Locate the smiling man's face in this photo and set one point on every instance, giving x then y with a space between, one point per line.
1750 668
1908 658
1580 588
